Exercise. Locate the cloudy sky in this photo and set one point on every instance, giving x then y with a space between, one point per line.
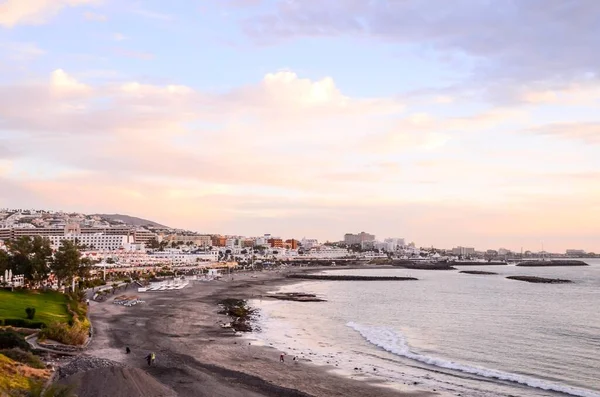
464 122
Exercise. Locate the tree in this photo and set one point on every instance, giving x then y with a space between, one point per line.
40 259
4 262
153 243
67 261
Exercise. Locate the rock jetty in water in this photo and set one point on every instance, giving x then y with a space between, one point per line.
348 278
476 272
541 280
552 263
296 296
408 264
475 263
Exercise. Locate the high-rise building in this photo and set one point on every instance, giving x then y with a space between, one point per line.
359 238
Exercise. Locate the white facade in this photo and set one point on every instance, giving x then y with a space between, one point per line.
400 242
463 251
92 241
327 253
179 258
308 243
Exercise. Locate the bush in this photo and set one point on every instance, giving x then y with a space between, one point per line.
30 311
24 357
69 335
9 339
22 323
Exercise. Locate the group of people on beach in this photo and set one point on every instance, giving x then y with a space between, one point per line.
150 358
282 358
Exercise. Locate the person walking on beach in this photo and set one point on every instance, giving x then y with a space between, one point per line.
281 359
150 358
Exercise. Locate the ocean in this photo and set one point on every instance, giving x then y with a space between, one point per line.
474 335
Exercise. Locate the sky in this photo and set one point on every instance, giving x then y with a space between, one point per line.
448 123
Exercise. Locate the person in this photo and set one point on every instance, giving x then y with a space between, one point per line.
87 301
127 350
153 357
281 359
295 359
150 358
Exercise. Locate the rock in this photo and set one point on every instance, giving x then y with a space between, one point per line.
348 278
476 272
552 263
541 280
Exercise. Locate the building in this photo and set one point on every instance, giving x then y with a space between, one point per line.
398 242
275 242
327 253
143 236
293 244
359 238
196 239
219 241
5 233
91 241
308 243
463 251
575 253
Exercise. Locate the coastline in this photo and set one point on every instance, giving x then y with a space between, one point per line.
196 357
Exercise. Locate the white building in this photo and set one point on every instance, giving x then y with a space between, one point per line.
399 242
176 257
308 243
463 251
92 241
327 253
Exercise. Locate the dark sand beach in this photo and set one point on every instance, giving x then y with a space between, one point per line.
195 356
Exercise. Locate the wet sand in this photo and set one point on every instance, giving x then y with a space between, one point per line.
196 357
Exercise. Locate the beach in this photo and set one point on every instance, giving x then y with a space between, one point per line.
195 356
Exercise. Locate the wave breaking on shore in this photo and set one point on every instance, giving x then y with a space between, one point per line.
394 342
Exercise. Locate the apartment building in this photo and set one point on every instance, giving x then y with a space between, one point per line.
463 251
359 238
91 241
275 242
196 239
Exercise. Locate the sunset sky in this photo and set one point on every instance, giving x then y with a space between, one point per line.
463 122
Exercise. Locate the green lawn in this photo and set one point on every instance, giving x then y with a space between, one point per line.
49 306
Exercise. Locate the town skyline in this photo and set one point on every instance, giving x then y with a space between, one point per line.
309 118
174 229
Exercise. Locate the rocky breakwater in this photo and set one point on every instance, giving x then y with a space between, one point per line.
549 263
541 280
408 264
240 313
477 272
296 297
348 277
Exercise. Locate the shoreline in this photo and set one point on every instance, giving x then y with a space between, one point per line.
196 357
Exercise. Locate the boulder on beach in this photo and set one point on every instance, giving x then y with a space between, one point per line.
117 382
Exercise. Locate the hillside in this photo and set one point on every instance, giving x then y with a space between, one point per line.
131 220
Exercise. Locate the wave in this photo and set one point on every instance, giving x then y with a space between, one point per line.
394 342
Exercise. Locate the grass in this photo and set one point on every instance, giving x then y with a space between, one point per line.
15 378
50 306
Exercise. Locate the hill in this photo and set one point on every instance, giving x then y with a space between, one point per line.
131 220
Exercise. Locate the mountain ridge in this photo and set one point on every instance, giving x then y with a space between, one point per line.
131 220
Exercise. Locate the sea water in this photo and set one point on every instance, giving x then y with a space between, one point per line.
475 335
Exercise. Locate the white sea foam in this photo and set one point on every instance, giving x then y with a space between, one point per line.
394 342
